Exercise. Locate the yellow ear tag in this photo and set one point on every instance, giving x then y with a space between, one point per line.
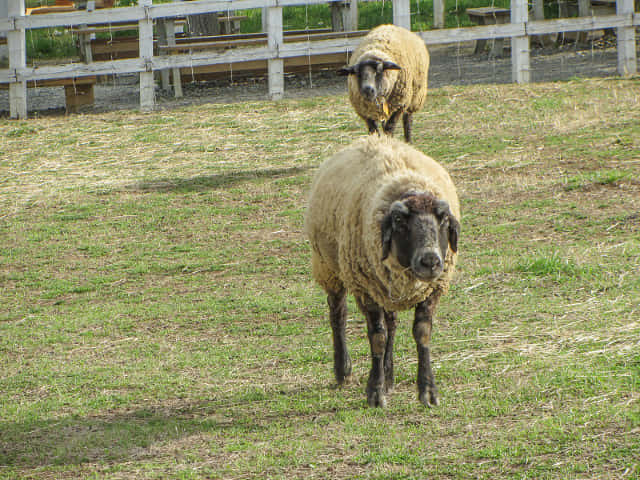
385 106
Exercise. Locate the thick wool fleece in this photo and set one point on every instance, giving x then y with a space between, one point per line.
408 87
351 193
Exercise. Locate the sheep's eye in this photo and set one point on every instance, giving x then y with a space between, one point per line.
399 221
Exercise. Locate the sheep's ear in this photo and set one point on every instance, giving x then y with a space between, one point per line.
386 65
397 209
454 232
442 211
386 231
348 70
442 208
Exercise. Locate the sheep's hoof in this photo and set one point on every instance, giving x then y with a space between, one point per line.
376 398
343 373
429 398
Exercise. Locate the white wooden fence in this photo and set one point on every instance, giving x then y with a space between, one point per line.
519 30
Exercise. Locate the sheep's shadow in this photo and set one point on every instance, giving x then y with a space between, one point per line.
140 433
216 181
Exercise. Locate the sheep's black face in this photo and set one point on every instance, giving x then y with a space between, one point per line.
372 82
417 231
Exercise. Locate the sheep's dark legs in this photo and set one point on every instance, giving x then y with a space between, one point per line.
338 317
378 342
372 126
390 319
406 123
427 391
390 125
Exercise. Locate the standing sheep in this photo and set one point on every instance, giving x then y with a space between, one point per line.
382 222
388 75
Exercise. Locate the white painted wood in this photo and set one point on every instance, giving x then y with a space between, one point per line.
105 15
274 44
17 60
520 64
626 36
467 34
163 34
351 20
200 58
438 13
135 14
147 83
584 8
276 50
402 13
576 24
175 72
538 10
4 13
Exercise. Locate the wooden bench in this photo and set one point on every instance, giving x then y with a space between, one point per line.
50 9
489 16
603 7
230 23
77 91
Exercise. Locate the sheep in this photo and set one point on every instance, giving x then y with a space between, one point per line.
382 223
388 74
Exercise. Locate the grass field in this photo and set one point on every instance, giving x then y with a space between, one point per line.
158 318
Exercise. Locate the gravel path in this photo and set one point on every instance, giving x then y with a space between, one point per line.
450 65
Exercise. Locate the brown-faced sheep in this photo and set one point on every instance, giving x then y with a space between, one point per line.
382 222
388 75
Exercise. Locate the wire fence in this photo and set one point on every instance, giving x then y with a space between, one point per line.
538 50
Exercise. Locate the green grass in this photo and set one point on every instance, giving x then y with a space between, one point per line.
158 318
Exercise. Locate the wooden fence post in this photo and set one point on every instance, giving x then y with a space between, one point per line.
627 62
520 45
275 65
17 60
402 13
438 13
351 22
147 82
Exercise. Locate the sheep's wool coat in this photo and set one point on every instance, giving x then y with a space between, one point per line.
350 195
399 45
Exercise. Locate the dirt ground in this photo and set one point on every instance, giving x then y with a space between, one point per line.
452 64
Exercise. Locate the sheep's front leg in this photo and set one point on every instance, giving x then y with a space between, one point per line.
338 318
372 125
390 125
390 319
427 391
377 334
406 124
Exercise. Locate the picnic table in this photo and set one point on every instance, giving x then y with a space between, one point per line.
489 16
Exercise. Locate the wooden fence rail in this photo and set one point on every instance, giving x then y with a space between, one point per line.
519 30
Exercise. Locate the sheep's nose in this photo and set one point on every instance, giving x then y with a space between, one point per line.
431 260
368 91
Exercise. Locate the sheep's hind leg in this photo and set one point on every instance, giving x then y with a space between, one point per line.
390 125
427 391
406 124
390 319
376 396
338 318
